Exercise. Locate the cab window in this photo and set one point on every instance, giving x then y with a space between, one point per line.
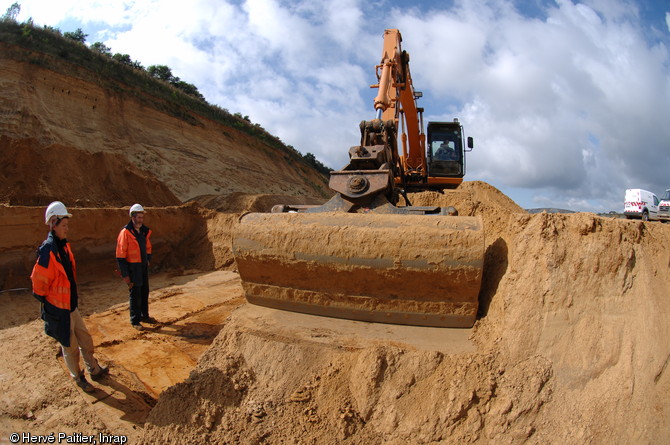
445 150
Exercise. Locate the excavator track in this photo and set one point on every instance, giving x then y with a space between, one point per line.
422 270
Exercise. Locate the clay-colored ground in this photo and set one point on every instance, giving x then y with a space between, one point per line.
570 343
569 347
190 309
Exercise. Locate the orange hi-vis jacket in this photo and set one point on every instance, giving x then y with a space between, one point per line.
51 287
128 248
129 253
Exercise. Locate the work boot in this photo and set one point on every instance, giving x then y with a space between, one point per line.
83 384
138 326
150 320
100 374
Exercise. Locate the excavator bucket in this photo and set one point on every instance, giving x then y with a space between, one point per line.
422 270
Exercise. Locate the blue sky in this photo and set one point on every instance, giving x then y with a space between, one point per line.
568 102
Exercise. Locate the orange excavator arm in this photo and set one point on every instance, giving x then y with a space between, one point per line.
396 100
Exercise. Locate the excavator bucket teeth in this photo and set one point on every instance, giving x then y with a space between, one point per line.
422 270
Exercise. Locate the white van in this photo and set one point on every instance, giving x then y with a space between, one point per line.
641 204
664 207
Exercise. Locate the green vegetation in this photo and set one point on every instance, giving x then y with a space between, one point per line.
155 86
77 36
311 160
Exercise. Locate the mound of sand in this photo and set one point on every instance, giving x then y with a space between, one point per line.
570 347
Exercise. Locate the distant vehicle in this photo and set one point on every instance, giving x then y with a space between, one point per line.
664 207
641 204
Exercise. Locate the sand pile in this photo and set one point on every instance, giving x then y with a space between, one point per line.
570 347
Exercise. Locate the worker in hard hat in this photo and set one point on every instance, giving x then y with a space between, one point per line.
54 280
133 254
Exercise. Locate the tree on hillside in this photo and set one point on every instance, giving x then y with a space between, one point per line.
311 160
162 72
101 48
189 89
53 30
12 13
77 36
126 60
246 117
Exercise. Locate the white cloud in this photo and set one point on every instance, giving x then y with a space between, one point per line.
572 105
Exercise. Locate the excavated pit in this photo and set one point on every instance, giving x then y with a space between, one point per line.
569 348
570 343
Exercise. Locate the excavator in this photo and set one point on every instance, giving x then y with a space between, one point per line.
361 255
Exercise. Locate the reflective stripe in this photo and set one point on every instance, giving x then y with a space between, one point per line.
72 261
52 282
42 278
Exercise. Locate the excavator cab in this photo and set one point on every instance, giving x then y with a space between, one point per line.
445 151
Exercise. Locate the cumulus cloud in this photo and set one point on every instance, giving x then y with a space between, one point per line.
571 105
568 103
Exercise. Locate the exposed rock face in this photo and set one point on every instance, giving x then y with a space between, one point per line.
33 174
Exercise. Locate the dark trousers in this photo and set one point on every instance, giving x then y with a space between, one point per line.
139 299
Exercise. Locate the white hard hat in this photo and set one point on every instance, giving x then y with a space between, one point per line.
135 208
56 209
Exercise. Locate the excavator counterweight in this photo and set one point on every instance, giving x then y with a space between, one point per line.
360 256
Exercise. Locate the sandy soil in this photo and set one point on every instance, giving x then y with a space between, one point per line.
102 178
569 346
126 133
37 394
